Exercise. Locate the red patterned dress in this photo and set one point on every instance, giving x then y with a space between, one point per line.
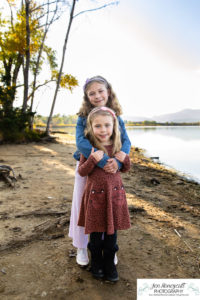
104 205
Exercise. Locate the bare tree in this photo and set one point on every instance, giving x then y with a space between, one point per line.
27 56
51 16
61 66
72 16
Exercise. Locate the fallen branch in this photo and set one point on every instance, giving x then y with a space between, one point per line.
183 240
39 213
48 230
5 174
177 233
51 224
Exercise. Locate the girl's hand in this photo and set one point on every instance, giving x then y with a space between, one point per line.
120 156
111 166
98 155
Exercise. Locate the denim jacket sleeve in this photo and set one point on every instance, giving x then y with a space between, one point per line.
126 144
83 144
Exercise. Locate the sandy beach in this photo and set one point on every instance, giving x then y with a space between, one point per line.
37 259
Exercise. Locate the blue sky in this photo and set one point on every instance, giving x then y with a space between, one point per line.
176 20
149 50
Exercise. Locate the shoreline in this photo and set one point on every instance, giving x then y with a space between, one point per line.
183 175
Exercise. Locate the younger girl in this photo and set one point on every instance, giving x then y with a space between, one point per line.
97 92
104 207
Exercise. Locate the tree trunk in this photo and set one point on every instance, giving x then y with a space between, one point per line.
61 66
48 24
35 78
16 69
27 55
16 73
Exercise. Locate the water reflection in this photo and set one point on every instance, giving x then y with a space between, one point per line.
180 132
177 147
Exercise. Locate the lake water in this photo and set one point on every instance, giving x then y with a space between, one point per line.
176 146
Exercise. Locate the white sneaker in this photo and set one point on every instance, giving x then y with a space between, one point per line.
82 257
115 259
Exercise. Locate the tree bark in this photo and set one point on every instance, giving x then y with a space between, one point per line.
27 55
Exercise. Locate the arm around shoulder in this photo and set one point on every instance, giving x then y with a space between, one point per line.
86 166
126 143
82 143
126 165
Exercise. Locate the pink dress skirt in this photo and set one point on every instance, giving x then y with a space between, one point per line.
77 233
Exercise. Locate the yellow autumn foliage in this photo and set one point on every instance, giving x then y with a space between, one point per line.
67 81
16 37
13 36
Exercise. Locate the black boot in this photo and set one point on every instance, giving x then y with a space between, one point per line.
96 261
109 266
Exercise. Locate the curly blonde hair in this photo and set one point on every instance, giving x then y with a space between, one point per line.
115 138
112 103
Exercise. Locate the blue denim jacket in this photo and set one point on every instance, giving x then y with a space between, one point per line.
85 147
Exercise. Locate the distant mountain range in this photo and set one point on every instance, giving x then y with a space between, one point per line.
186 115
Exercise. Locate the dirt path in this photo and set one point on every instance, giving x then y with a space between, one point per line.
36 255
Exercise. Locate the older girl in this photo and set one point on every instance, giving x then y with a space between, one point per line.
97 92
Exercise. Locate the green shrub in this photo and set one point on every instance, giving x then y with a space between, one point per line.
14 126
34 135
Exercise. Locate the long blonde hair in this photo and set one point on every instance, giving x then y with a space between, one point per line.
116 138
112 103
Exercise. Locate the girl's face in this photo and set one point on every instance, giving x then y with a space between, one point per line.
102 127
97 94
